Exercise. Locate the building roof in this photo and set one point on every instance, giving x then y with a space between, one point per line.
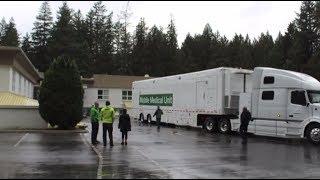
15 56
115 81
9 99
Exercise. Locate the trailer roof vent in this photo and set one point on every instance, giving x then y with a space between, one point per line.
146 75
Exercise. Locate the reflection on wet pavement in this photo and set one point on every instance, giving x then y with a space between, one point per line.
181 153
156 153
46 156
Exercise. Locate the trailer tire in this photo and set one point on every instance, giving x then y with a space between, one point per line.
224 126
313 133
210 125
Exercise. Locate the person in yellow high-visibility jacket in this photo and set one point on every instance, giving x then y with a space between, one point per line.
107 118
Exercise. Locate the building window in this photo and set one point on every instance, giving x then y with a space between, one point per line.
126 95
25 87
13 81
103 94
20 84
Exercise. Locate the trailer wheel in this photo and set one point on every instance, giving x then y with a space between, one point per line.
149 118
225 126
313 133
141 118
210 125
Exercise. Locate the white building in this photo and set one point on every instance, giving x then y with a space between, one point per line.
17 74
115 88
18 77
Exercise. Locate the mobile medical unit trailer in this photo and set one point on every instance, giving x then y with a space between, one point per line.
208 98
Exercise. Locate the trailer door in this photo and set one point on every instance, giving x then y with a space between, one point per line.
201 88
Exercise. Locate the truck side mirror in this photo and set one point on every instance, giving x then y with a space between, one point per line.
308 104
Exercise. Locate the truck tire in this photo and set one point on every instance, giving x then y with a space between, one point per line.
224 126
313 133
210 125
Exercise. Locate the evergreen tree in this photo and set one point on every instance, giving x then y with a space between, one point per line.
61 94
63 34
306 35
206 47
172 49
100 35
10 36
26 46
81 46
186 55
124 42
40 37
316 18
262 50
155 52
139 48
3 25
278 53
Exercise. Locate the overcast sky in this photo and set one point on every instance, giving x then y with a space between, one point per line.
229 17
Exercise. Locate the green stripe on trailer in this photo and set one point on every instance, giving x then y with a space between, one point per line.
156 99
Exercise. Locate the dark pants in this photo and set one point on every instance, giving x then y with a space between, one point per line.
107 127
94 131
158 122
243 130
124 135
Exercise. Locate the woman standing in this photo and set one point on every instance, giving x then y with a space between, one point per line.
124 126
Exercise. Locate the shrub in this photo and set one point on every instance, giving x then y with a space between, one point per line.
61 94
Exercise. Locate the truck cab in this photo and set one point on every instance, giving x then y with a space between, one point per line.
283 104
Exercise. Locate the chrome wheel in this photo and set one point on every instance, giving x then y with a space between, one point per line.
149 118
315 134
224 126
209 125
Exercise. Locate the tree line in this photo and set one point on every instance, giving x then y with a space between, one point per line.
100 44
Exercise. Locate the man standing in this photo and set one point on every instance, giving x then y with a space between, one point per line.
95 118
245 119
158 114
107 118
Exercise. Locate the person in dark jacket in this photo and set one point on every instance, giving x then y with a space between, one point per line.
124 126
158 114
245 118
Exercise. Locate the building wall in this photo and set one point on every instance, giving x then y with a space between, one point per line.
91 95
4 77
21 118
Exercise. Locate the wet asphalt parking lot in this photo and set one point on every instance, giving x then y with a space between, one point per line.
152 153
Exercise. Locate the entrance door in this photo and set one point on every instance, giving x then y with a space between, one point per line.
297 111
267 112
201 88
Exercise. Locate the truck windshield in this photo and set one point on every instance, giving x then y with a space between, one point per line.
314 96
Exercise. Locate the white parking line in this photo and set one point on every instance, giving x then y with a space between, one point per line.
21 140
153 161
99 171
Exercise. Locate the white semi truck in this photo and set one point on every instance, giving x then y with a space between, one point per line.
282 103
